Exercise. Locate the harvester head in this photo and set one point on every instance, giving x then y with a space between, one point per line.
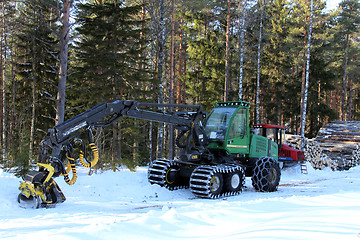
38 189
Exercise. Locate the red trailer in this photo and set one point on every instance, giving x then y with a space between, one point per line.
287 155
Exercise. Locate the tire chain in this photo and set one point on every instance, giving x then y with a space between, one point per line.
200 179
355 160
260 174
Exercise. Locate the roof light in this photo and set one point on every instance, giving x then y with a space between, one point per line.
234 103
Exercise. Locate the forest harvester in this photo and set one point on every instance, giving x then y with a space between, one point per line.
216 152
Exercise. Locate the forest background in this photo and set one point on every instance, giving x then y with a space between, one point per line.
291 59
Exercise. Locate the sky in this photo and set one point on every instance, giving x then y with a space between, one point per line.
331 4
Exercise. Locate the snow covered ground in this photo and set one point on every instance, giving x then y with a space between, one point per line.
123 205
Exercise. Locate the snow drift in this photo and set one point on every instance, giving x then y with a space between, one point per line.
123 205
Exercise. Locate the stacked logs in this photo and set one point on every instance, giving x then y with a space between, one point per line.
336 146
339 141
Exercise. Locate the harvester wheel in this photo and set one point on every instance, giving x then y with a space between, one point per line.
216 184
165 173
171 176
266 174
234 181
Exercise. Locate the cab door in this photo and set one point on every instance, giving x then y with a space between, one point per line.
238 134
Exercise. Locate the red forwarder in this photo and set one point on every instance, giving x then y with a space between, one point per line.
287 155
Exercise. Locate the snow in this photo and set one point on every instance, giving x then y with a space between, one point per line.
123 205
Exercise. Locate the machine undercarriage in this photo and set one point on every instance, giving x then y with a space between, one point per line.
214 181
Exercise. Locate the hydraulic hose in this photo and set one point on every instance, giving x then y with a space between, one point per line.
74 173
94 161
83 161
178 138
68 168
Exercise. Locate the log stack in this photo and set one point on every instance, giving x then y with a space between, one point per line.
338 141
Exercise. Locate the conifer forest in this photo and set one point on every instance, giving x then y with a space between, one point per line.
297 63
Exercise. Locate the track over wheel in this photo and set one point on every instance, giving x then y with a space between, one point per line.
206 182
165 173
266 174
213 181
234 181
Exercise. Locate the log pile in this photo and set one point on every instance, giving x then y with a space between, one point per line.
336 146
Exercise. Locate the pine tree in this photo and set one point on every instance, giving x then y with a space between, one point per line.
8 116
111 63
6 26
348 25
242 30
261 4
277 61
37 53
206 63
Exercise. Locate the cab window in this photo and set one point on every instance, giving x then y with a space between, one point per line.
238 126
272 134
218 120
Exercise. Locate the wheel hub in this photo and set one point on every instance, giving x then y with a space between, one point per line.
214 183
171 175
272 175
235 181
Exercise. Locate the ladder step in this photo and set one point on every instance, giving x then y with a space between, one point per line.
304 168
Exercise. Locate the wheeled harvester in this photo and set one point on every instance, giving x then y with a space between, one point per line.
215 152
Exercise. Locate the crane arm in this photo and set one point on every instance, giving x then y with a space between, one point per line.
106 113
39 186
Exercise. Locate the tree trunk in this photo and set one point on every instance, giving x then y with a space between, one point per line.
3 84
242 43
343 95
303 113
4 114
227 53
258 66
33 112
119 141
350 98
1 87
13 121
64 46
303 77
172 54
115 144
179 83
150 141
33 102
161 54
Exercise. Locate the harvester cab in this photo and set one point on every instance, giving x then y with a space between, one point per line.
229 130
228 127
